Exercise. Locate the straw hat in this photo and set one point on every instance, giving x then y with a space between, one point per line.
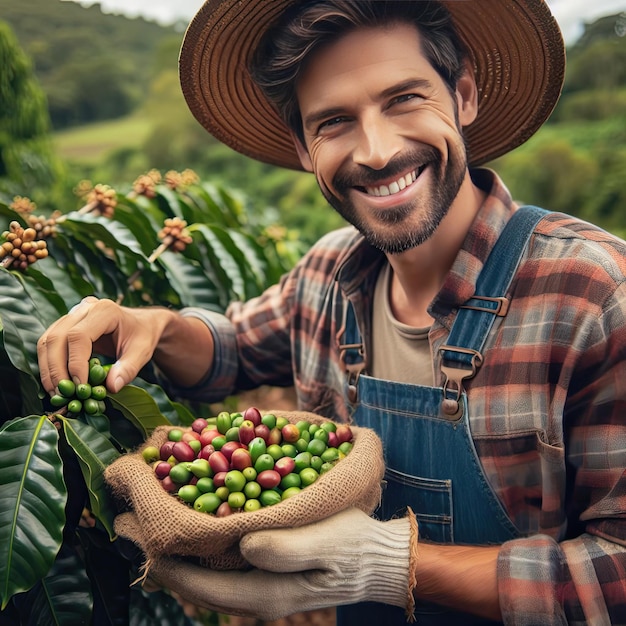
516 46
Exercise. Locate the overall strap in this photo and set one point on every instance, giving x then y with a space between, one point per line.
461 356
351 349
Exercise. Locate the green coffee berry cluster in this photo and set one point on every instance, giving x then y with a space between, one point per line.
84 397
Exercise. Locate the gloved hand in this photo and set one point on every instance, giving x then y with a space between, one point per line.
347 558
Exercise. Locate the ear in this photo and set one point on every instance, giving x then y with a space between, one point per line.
467 96
303 153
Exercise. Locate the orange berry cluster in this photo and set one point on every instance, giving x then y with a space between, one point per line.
102 199
21 246
174 234
44 227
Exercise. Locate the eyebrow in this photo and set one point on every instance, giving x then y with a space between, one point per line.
325 114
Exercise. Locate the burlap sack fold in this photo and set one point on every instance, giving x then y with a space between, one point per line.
171 528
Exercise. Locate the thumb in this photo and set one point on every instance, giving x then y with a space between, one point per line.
307 547
119 375
281 550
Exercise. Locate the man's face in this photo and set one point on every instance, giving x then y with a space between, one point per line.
382 135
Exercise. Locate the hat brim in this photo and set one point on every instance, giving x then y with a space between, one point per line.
516 47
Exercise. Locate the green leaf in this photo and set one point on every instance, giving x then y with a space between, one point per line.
46 301
175 412
209 206
190 282
62 597
94 453
31 393
32 503
131 214
111 571
139 408
110 232
55 283
256 261
168 201
85 269
21 324
94 231
221 258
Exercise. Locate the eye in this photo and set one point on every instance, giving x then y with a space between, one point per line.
406 97
330 123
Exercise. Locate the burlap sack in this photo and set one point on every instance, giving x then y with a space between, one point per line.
171 528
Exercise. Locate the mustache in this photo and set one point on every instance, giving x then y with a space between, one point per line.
364 176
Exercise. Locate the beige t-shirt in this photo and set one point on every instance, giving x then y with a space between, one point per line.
399 352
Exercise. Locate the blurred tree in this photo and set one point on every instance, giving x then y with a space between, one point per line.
91 89
600 65
551 174
91 65
28 164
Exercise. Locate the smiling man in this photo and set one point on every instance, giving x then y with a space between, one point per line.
483 341
389 154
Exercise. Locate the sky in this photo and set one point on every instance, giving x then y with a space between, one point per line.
571 14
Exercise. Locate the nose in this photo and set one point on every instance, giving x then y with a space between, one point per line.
376 143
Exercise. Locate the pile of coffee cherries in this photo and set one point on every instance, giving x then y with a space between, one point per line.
245 461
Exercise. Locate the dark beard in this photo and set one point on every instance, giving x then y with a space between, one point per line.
444 191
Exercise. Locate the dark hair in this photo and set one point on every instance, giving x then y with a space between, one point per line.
282 55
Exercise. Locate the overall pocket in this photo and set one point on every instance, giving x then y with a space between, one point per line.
430 499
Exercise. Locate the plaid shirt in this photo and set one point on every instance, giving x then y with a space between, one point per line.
546 408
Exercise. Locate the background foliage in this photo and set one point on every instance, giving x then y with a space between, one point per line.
116 107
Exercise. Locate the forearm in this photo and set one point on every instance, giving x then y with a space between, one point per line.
459 577
185 350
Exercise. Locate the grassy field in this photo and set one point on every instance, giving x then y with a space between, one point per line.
89 144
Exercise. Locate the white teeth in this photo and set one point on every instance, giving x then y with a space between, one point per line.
395 187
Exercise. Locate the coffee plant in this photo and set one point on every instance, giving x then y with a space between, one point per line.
168 240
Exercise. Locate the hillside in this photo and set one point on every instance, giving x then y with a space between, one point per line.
91 65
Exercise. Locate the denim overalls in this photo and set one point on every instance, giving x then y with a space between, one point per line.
431 462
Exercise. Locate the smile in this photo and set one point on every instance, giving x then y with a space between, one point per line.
396 186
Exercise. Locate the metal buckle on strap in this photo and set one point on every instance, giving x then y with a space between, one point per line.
501 308
353 370
454 377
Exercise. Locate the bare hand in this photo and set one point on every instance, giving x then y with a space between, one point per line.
102 327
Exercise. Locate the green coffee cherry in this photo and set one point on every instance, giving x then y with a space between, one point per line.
67 388
91 406
87 398
75 406
97 374
83 391
99 392
58 400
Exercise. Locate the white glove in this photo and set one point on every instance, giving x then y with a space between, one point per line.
347 558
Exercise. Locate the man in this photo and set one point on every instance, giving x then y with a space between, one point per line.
509 445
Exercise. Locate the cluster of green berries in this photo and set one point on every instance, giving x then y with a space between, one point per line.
84 397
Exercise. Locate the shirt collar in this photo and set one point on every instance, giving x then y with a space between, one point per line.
487 226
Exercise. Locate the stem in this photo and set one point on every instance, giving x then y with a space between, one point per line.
88 208
6 262
134 277
151 259
160 250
